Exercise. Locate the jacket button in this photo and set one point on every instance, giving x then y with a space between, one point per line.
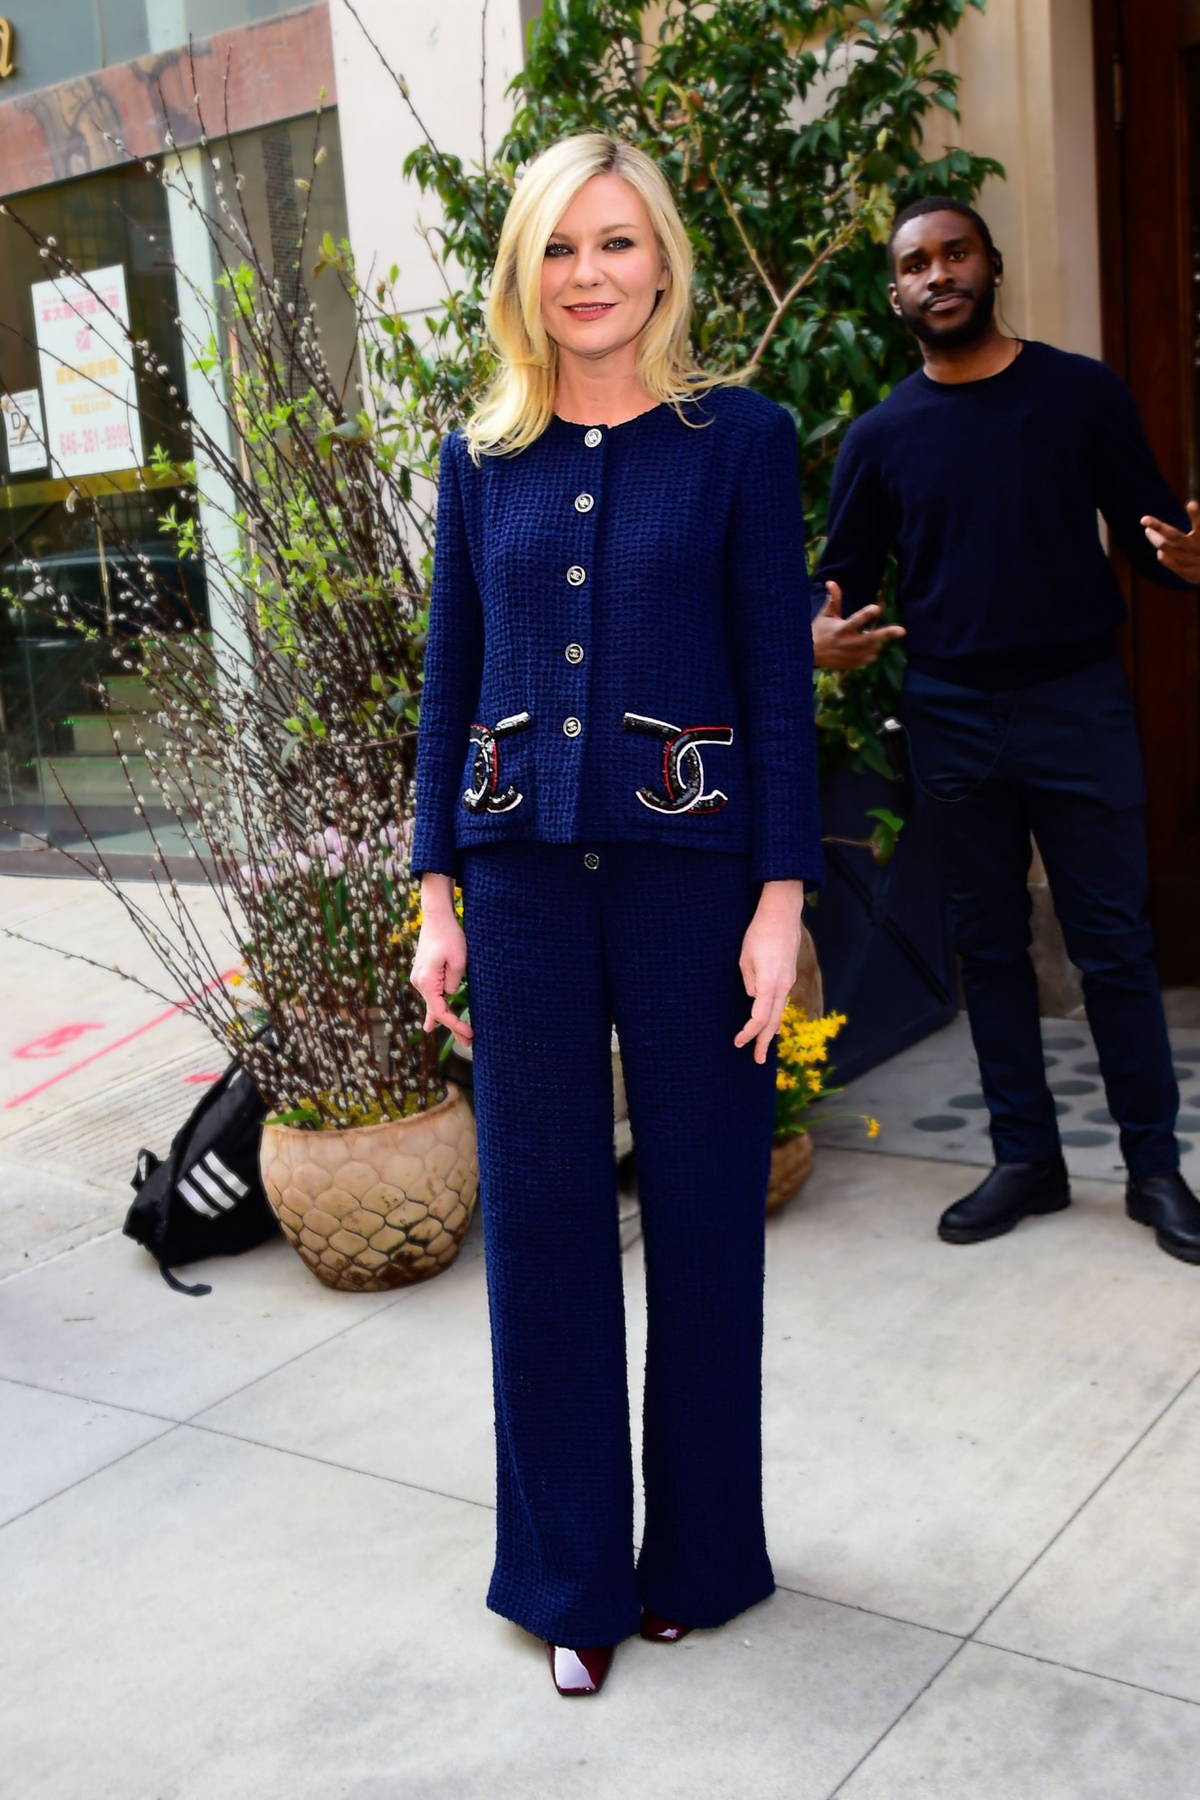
572 727
576 576
584 502
592 437
574 653
591 860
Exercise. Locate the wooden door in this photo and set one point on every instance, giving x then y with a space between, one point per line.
1148 140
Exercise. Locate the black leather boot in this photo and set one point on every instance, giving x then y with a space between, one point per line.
1004 1198
1168 1205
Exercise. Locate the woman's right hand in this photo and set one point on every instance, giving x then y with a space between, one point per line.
440 961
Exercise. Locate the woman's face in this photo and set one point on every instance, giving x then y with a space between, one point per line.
602 270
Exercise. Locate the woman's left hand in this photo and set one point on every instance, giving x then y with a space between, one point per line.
770 953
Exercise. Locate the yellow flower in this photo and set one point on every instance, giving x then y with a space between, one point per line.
872 1125
397 937
236 980
784 1082
803 1041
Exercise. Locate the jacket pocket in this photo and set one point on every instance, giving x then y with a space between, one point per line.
683 778
487 790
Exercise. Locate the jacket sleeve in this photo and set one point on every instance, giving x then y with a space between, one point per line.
772 653
1129 483
859 530
453 667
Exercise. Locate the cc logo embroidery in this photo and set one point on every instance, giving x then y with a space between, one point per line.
485 794
683 766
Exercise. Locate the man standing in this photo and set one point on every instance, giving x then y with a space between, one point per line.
983 473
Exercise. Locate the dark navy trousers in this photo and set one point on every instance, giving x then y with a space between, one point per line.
563 941
1059 760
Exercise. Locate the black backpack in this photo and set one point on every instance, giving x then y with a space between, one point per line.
207 1198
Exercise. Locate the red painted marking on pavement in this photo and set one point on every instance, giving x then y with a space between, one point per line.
159 1019
54 1041
201 1080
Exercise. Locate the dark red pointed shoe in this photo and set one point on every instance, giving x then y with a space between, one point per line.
578 1672
657 1630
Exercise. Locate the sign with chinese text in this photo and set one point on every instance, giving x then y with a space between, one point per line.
88 382
25 436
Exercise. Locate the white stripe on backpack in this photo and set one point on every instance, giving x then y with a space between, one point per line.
216 1193
232 1183
196 1200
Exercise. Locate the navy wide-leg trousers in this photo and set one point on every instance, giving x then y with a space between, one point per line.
563 941
1059 760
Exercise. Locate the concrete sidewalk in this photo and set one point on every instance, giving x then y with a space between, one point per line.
91 1067
244 1539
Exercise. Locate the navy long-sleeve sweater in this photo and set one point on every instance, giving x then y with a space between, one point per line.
619 643
987 492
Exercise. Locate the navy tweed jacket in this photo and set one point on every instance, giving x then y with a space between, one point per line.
619 642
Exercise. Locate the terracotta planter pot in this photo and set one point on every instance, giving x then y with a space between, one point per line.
376 1206
791 1164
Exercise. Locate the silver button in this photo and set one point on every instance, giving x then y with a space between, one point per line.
591 860
584 502
593 437
576 576
572 727
574 653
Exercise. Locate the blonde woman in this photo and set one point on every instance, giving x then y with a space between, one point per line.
616 762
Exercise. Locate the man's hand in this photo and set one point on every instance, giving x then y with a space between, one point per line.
1178 551
848 643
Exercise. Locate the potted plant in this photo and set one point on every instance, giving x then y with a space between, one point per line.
802 1081
369 1162
879 922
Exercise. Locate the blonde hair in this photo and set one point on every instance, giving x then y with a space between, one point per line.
518 403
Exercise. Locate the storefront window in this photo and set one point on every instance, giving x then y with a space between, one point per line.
79 502
65 543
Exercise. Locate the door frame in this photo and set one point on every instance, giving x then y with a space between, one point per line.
1146 302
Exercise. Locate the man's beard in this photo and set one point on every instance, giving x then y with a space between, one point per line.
953 337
